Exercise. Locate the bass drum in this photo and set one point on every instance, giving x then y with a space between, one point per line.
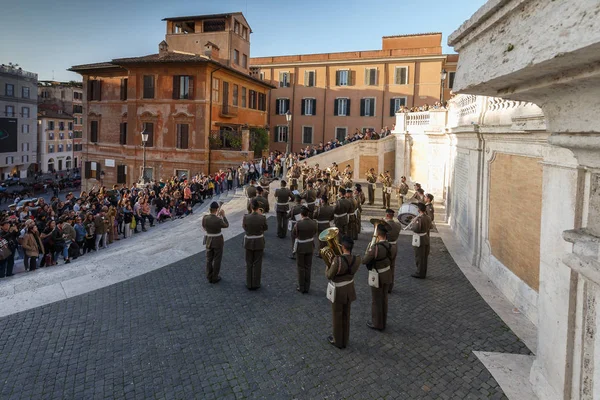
407 212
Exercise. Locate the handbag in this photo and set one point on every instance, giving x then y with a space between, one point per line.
374 278
331 292
133 224
4 249
416 240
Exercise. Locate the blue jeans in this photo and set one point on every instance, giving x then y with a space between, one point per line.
58 250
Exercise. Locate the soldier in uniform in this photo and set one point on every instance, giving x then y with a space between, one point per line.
341 274
340 214
394 228
378 258
402 191
352 215
304 242
212 224
251 193
429 207
421 226
261 197
295 175
387 185
323 215
254 224
294 216
264 182
283 196
241 176
372 180
360 199
310 196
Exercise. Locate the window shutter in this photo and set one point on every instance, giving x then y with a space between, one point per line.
287 105
150 128
366 76
98 90
372 108
176 87
185 136
277 107
314 106
303 108
362 107
191 88
306 78
337 78
90 90
392 107
376 78
120 174
348 107
98 170
88 170
123 136
335 107
290 80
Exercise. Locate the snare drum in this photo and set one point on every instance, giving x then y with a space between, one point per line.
407 212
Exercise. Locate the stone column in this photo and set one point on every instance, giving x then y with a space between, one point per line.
245 140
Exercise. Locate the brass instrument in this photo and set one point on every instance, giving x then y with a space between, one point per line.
219 209
381 177
333 248
376 222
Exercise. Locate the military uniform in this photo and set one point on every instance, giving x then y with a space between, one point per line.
282 197
394 228
353 218
342 208
402 192
323 216
254 225
263 203
360 200
422 226
372 180
214 245
429 211
264 182
310 196
341 274
294 214
379 257
251 194
304 243
387 185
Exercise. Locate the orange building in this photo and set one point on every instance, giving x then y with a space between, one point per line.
330 95
195 99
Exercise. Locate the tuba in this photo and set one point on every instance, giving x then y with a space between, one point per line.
376 222
333 248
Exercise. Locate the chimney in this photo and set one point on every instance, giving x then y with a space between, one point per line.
211 50
163 49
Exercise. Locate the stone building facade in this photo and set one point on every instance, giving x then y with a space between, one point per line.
331 95
55 146
192 97
18 113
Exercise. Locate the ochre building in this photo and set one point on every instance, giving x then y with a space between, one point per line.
331 95
195 98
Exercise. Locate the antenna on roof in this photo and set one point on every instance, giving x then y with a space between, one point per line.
52 74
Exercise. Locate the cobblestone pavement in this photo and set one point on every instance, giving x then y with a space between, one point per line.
171 335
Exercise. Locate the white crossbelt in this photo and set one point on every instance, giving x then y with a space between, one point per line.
382 270
254 237
340 284
340 215
323 222
214 234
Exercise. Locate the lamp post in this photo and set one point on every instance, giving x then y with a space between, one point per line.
443 75
144 134
288 118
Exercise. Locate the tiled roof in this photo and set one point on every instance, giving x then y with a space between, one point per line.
156 58
93 66
54 114
196 17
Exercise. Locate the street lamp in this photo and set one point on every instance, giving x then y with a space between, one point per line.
145 135
443 75
288 118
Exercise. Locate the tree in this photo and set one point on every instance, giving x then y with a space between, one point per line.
259 138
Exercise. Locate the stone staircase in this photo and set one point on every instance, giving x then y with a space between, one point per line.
161 245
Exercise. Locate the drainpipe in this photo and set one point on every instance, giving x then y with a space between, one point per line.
210 116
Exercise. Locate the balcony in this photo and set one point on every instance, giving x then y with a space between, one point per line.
228 111
225 140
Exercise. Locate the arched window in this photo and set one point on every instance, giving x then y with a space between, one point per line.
51 165
68 163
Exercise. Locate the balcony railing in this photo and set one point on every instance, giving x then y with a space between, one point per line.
225 140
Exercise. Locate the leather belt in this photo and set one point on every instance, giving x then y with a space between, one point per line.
340 284
283 204
392 242
340 215
214 234
379 271
323 222
254 237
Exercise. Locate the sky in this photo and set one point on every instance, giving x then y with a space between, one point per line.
47 37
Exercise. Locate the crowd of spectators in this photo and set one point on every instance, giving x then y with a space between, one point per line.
426 107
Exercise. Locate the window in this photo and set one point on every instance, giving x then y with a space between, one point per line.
61 135
123 133
342 77
237 27
50 135
94 131
149 127
281 133
9 111
122 174
367 107
70 135
234 99
50 148
69 147
78 95
309 78
78 147
245 33
236 57
401 76
77 109
371 76
244 61
61 148
94 89
25 159
261 76
148 87
50 125
9 90
307 134
215 90
309 107
284 79
182 136
282 106
395 104
71 125
24 146
184 27
124 89
81 121
243 96
25 128
92 170
252 99
25 112
62 94
10 160
25 92
262 102
341 133
451 76
214 25
61 126
341 107
182 87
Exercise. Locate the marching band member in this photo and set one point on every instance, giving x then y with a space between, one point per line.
402 191
304 241
293 218
310 196
212 224
386 179
254 224
377 258
261 197
394 228
323 215
283 196
372 180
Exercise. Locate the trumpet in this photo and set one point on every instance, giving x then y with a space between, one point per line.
219 209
